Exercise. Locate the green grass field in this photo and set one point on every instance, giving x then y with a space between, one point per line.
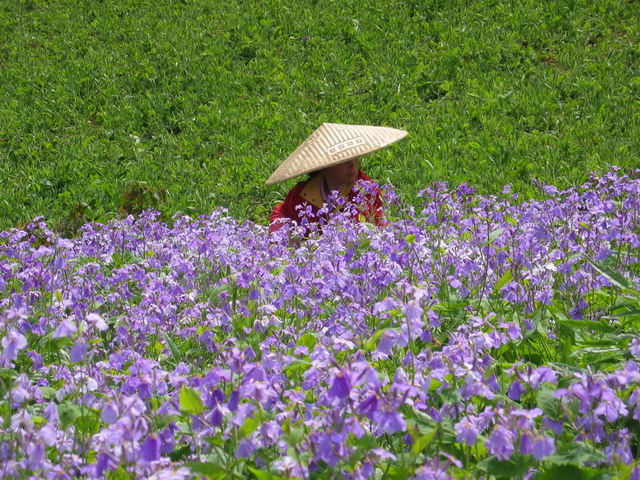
203 99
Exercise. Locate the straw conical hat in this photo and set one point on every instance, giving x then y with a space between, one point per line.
331 144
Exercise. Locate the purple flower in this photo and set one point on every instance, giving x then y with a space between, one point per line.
150 449
369 406
634 347
216 417
525 443
79 350
12 343
513 331
554 425
109 414
387 340
516 391
433 470
235 304
413 312
35 456
104 463
542 447
234 399
542 375
65 329
340 386
385 305
500 443
467 431
612 409
97 321
48 435
245 448
392 422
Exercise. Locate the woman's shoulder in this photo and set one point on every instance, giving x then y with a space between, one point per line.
298 187
363 176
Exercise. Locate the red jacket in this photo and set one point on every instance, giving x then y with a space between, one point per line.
309 193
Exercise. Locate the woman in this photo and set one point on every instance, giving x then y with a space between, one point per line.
331 155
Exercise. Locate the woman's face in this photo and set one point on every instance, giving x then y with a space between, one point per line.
342 173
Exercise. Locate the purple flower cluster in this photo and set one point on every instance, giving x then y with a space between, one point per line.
478 330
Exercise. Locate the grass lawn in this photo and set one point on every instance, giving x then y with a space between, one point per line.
202 100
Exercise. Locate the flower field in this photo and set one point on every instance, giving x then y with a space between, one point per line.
196 102
475 337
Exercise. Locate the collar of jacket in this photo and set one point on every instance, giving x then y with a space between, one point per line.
312 191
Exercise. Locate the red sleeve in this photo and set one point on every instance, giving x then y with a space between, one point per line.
278 218
286 211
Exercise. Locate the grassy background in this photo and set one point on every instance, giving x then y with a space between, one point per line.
204 98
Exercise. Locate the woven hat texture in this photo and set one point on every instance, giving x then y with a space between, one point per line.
331 144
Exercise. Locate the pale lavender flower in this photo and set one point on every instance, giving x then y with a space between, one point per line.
109 414
79 350
12 343
467 431
542 447
65 329
97 321
634 347
500 443
392 422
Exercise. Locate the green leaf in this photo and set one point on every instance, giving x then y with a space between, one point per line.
294 436
54 345
626 318
370 226
190 401
588 325
493 236
68 413
598 350
506 278
426 425
585 226
420 442
576 453
631 313
175 351
217 441
299 365
547 402
260 475
421 418
249 426
120 474
210 469
9 373
180 453
499 468
562 472
308 340
611 275
411 238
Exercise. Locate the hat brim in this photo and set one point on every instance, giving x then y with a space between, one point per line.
332 144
